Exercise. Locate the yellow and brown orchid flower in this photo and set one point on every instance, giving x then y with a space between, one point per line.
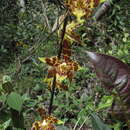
47 122
81 9
61 68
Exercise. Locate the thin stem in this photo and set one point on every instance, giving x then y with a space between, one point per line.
45 16
62 36
82 124
59 55
76 124
52 95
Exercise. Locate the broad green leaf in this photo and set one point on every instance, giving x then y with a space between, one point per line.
106 102
97 124
15 101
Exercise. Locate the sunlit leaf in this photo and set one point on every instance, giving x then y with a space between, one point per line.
42 59
59 122
101 1
106 102
6 79
5 125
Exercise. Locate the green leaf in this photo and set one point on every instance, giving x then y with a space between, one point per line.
31 103
3 98
59 122
15 101
97 124
6 79
116 126
101 1
5 125
42 59
106 102
62 128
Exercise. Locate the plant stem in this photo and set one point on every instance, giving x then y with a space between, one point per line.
52 95
62 36
59 55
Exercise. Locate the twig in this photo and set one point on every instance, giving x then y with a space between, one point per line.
45 15
76 124
82 124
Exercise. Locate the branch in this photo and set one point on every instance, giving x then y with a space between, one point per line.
45 15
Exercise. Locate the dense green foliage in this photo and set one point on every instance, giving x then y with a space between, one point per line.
25 35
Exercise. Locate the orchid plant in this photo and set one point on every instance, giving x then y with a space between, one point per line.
62 67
